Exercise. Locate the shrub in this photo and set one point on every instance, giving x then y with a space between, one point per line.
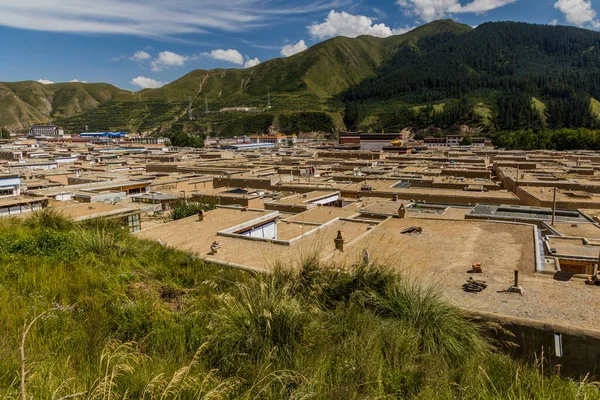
442 329
187 208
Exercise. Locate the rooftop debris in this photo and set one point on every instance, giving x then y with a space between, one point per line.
474 286
412 229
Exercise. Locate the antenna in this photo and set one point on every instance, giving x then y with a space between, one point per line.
190 114
205 103
268 97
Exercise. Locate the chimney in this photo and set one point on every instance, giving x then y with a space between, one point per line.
339 241
402 211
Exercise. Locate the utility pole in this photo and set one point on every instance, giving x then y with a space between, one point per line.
190 115
205 103
554 207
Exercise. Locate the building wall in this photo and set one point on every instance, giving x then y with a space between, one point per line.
21 209
10 187
266 231
467 173
242 183
580 347
433 198
373 145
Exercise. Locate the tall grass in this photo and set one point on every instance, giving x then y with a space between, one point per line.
137 320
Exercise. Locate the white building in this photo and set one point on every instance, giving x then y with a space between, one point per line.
273 139
46 130
10 185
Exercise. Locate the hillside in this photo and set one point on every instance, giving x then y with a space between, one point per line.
23 103
122 318
308 81
499 76
504 65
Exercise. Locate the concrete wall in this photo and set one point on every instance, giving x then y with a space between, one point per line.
467 173
433 198
253 183
580 347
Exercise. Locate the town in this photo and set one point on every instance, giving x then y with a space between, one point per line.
435 211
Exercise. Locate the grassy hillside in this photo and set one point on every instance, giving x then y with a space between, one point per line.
28 102
123 318
308 81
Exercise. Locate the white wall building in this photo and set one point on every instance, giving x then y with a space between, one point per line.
10 185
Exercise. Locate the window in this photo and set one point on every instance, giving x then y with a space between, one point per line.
558 347
133 222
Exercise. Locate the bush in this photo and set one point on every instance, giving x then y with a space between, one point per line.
186 208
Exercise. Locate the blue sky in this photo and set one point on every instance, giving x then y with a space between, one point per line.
135 44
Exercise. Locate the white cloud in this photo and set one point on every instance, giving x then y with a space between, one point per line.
251 62
44 81
229 55
76 80
140 55
578 12
344 24
146 83
554 22
291 49
153 18
480 6
429 10
380 13
167 59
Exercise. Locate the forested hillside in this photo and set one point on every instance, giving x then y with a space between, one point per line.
526 76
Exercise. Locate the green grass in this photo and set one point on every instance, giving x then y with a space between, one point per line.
484 114
540 107
132 319
596 107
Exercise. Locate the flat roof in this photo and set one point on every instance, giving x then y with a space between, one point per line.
573 247
81 211
586 230
16 200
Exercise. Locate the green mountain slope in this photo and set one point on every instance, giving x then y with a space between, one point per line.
308 81
484 77
505 65
24 103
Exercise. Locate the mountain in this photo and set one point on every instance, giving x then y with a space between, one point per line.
24 103
308 81
527 76
499 76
